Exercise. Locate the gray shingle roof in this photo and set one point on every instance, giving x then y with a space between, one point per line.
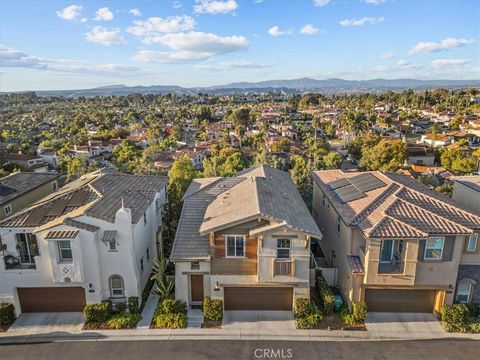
210 205
17 184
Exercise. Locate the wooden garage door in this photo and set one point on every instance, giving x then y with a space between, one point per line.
258 298
400 300
51 299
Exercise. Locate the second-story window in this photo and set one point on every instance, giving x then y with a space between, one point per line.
7 209
338 224
283 248
434 248
235 246
64 250
27 247
54 186
472 243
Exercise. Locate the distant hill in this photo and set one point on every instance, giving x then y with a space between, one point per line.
328 86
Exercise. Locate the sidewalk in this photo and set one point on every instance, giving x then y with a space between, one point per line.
222 334
148 310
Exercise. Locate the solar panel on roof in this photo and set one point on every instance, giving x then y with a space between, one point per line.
366 182
335 184
78 198
57 208
35 217
348 193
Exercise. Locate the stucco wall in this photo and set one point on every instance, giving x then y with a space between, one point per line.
467 197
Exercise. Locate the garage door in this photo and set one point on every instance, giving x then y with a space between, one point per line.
258 298
400 300
51 299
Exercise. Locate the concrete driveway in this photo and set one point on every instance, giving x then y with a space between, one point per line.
399 324
270 321
47 323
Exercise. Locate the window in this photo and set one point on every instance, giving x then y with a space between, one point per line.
27 247
145 218
54 186
112 245
323 200
463 293
64 250
141 264
386 251
283 248
434 248
116 286
235 246
472 243
148 254
7 209
338 224
195 265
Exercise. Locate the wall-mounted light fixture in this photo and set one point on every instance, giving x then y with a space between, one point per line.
216 287
90 288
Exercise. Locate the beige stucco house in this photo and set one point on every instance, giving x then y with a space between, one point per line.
245 240
397 244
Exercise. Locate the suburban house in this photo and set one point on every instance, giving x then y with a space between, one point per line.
94 239
21 189
49 156
466 191
28 162
420 155
245 240
397 245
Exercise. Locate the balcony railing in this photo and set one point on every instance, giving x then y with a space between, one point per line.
283 267
393 267
14 262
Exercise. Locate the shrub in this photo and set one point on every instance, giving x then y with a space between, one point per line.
359 311
308 321
327 299
171 321
97 313
347 316
474 310
109 305
7 313
171 306
475 327
119 308
133 305
328 303
124 321
455 317
302 307
212 309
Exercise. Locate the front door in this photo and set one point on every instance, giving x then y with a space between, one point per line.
197 287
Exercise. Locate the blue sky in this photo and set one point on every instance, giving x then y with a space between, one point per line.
82 44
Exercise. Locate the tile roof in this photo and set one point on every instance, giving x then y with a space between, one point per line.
355 264
80 225
98 195
62 234
19 183
403 208
215 203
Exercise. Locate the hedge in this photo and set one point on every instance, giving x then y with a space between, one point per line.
171 314
212 309
327 299
464 318
97 313
124 321
307 314
7 313
359 311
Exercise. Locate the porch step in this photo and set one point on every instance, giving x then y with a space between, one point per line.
195 318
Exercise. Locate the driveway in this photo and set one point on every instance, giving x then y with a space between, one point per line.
47 323
270 321
399 324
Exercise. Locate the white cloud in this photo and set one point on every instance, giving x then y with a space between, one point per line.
103 14
104 36
214 6
177 4
157 25
387 56
320 3
275 31
13 58
438 63
309 29
374 2
362 21
445 44
70 13
403 62
238 64
191 46
135 12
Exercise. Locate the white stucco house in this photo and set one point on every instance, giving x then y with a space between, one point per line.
94 239
245 240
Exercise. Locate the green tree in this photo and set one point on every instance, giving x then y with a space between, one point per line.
333 160
281 145
387 155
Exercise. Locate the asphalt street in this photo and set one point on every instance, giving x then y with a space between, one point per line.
223 349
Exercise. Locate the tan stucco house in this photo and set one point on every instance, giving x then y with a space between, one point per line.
245 240
397 244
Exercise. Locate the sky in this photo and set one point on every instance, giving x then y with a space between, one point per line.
55 45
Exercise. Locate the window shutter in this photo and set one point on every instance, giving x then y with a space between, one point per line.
219 247
251 247
421 249
448 248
